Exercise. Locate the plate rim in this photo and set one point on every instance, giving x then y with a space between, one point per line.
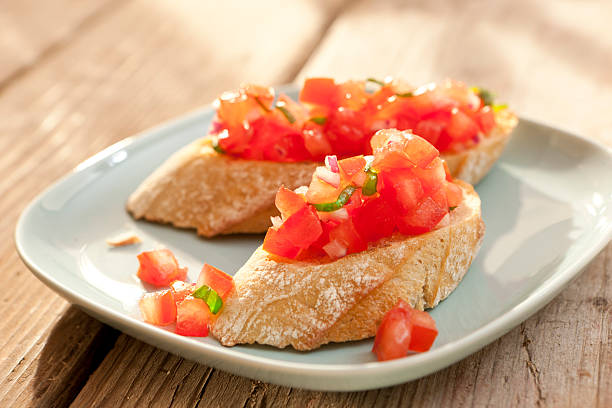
315 376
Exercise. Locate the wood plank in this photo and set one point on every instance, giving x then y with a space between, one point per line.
111 79
31 30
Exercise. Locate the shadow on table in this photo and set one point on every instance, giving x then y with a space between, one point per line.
76 345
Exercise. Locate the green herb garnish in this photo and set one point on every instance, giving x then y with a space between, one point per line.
369 187
319 120
497 108
376 81
216 146
451 208
487 97
343 198
264 107
210 296
281 107
405 95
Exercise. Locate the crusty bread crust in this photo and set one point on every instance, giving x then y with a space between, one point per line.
473 164
199 188
282 302
217 194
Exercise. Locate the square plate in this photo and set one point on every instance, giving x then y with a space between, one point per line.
547 205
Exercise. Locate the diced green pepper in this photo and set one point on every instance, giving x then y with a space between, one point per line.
210 296
216 147
343 198
369 187
319 120
281 107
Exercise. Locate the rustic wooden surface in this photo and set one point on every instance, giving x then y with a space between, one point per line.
78 76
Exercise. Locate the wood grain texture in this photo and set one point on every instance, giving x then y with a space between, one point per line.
110 78
133 64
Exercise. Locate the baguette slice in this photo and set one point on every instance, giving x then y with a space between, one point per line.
282 302
216 194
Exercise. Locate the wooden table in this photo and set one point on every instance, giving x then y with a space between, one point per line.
77 76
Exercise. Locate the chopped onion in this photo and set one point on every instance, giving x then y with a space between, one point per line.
334 249
331 162
276 221
328 176
338 215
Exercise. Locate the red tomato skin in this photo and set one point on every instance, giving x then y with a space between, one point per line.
319 91
276 243
461 127
302 228
402 189
193 317
158 308
432 176
216 279
181 290
159 267
424 331
393 336
346 234
485 118
351 167
426 216
454 194
374 220
288 202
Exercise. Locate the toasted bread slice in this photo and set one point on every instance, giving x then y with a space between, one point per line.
216 194
199 188
282 302
473 164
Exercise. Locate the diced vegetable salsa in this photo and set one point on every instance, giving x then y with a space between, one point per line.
192 306
160 267
404 187
403 330
341 118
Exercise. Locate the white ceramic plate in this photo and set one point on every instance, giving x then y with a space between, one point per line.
547 205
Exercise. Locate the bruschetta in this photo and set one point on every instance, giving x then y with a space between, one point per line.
226 182
365 233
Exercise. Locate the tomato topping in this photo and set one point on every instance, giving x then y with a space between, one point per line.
160 267
319 91
216 279
158 308
341 118
407 189
181 290
193 317
288 202
402 330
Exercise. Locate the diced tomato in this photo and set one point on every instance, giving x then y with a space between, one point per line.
346 132
181 290
193 317
315 141
352 95
402 189
346 234
461 127
288 202
158 308
276 243
424 331
319 91
449 177
216 279
297 232
402 330
299 112
160 267
393 335
454 194
427 215
432 176
264 94
320 191
352 168
374 220
485 119
302 228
